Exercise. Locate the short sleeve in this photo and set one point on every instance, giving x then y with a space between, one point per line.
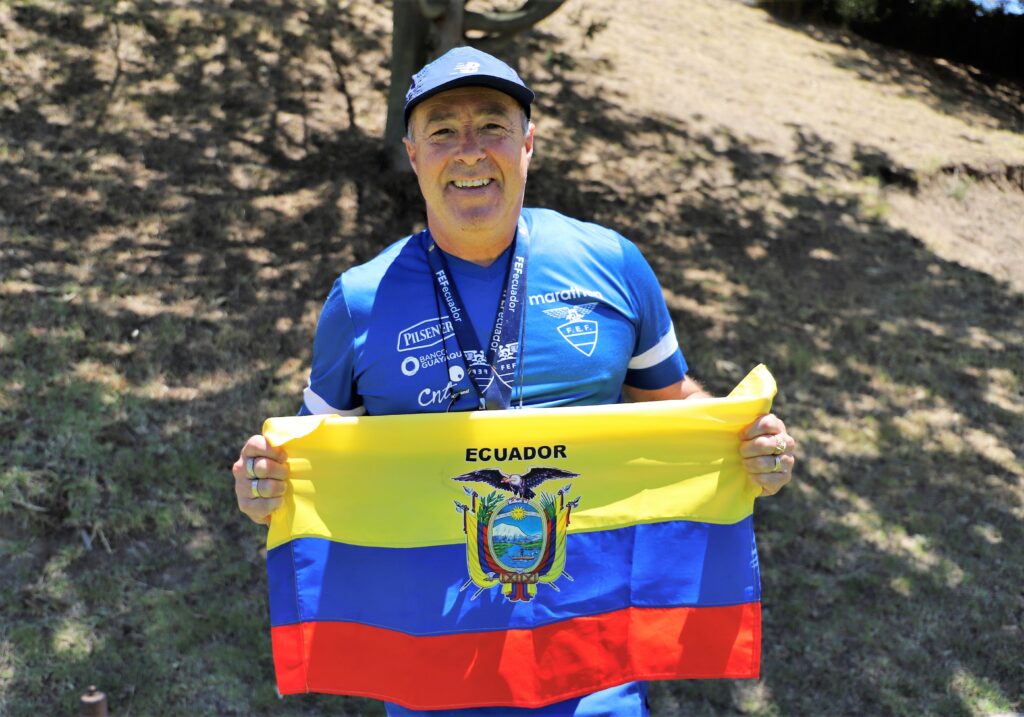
657 360
331 387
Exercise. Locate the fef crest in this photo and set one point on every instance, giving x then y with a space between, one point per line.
578 331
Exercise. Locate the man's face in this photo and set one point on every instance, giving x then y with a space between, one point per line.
471 155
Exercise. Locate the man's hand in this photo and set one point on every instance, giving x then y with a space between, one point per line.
768 453
261 495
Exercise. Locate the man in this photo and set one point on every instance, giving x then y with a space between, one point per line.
494 306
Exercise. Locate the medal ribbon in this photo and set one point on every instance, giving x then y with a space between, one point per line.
492 390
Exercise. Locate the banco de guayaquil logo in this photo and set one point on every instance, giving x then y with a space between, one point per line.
579 331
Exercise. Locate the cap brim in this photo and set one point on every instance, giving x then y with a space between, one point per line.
523 95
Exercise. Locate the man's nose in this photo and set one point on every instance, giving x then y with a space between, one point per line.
470 148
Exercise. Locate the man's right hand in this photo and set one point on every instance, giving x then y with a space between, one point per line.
260 497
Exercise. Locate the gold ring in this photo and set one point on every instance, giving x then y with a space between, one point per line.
254 488
780 446
777 466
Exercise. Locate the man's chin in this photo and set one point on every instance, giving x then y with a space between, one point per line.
484 220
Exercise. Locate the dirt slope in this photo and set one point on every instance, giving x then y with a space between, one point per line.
864 110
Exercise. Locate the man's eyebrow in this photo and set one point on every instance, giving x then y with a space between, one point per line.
493 109
439 114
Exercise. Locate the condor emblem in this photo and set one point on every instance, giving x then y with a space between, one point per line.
516 541
580 332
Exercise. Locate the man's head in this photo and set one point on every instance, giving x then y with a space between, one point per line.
470 142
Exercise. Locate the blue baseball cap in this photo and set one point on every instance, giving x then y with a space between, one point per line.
466 67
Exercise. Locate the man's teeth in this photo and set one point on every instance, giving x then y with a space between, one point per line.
463 183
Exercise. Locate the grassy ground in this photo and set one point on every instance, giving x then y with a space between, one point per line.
178 189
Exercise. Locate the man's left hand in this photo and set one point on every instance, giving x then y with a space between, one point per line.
768 453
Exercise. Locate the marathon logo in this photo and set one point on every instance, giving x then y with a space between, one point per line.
427 333
515 453
573 292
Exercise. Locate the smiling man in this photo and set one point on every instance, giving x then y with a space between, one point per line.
494 306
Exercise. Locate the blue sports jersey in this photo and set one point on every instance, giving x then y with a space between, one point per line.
595 320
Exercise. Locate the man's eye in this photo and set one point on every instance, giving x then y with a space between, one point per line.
440 132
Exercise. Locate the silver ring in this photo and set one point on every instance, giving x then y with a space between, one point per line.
254 488
777 466
780 446
250 467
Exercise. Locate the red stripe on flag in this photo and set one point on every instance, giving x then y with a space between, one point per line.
523 668
291 657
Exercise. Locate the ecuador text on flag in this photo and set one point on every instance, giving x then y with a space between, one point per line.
516 557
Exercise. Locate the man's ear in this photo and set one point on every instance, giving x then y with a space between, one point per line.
410 149
528 140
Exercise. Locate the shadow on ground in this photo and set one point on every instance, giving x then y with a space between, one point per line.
173 218
950 88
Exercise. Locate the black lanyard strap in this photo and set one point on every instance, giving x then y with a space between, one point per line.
502 357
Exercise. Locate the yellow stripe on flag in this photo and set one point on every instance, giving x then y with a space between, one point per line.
386 481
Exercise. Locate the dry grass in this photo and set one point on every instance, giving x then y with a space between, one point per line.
178 189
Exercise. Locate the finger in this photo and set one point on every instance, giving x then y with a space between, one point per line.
767 445
269 468
260 511
766 425
267 488
768 464
267 461
771 483
258 446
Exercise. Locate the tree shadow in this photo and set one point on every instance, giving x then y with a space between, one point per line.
170 243
953 89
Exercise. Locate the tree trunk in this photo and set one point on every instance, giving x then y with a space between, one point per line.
409 33
452 33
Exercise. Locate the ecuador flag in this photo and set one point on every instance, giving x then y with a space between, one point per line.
516 557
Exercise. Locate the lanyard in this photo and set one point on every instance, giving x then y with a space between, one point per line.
492 373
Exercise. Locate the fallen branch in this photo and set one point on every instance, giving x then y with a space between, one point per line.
103 539
28 506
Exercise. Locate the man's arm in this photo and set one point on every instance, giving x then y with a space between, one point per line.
768 451
684 388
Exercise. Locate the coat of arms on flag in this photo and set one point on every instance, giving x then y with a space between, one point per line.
515 541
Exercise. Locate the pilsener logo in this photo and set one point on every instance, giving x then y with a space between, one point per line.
425 334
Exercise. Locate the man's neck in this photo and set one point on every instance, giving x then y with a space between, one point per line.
483 250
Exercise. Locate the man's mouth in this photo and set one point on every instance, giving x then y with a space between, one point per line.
471 183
